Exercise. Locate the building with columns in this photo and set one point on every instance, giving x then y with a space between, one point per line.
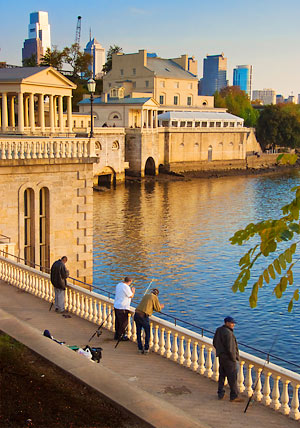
32 101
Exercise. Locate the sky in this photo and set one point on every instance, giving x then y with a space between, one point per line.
263 33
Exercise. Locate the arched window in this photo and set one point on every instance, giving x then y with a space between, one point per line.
29 241
44 228
115 145
115 116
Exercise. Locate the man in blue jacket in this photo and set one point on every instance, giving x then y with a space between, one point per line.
227 350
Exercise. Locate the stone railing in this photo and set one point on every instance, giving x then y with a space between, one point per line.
46 148
274 386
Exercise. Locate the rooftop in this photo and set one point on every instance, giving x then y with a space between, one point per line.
168 68
198 115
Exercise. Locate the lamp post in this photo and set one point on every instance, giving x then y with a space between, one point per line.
91 84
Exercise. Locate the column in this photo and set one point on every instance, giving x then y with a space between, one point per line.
20 112
41 112
4 112
51 113
156 118
69 114
60 113
151 118
142 118
147 119
31 113
26 122
55 111
12 111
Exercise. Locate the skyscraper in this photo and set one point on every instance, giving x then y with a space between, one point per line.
97 53
214 74
242 77
38 36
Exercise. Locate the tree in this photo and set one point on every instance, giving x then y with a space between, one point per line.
238 103
270 233
277 125
53 58
79 61
30 62
108 65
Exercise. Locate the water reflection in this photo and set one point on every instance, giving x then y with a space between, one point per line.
177 234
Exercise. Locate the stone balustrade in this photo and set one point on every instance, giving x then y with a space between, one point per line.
46 148
274 386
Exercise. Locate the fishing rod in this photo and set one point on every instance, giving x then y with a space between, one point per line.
98 331
258 377
125 330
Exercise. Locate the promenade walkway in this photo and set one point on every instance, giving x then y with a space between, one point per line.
180 392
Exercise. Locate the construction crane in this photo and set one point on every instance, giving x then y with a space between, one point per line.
78 31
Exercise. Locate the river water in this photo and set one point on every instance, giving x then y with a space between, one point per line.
177 234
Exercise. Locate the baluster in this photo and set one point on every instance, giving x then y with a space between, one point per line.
215 375
162 348
168 344
66 299
208 372
33 155
275 394
285 408
85 151
188 360
257 393
51 149
156 340
9 156
68 150
70 293
82 302
63 150
249 380
99 312
175 347
91 309
40 146
28 150
195 364
109 320
86 307
267 390
95 311
74 299
104 315
77 303
129 328
294 413
201 368
240 377
79 150
181 350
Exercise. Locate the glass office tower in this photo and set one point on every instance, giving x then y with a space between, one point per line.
214 74
242 77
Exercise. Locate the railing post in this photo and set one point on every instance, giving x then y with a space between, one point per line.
275 394
294 413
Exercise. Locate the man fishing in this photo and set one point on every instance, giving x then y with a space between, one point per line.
124 294
148 304
227 350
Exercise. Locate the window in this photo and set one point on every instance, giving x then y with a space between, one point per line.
115 145
115 116
176 85
89 123
197 124
66 123
232 124
165 123
74 123
225 125
44 229
147 83
134 71
190 86
82 124
211 124
29 244
189 124
134 85
121 71
161 99
182 124
162 84
218 124
204 103
175 100
204 124
174 123
189 101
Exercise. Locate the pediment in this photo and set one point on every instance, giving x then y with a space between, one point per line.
51 77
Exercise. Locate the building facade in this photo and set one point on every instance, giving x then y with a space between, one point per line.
97 53
169 81
266 96
242 77
214 74
39 38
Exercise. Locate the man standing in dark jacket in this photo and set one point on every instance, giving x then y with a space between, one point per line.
227 350
59 275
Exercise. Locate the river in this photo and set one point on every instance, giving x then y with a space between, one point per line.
176 233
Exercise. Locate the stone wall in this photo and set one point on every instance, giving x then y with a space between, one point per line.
70 218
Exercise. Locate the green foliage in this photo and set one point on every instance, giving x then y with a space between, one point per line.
279 125
108 65
30 62
79 61
270 233
238 103
53 57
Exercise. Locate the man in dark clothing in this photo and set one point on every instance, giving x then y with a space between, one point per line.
227 350
58 276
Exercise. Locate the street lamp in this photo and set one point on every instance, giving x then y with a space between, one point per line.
91 84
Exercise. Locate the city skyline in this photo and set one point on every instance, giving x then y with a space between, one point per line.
247 34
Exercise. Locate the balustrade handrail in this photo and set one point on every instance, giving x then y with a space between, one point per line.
4 237
273 385
176 319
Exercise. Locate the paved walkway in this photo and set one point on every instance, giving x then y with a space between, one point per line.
173 388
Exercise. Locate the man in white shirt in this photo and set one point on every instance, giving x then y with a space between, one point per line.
124 294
